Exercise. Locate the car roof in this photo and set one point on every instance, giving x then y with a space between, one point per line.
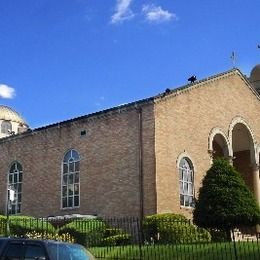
34 240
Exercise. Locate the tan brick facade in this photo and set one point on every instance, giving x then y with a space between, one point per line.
128 156
184 122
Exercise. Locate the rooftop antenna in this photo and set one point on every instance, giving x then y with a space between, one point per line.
233 58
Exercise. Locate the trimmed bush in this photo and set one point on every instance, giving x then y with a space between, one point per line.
116 240
2 225
21 225
173 228
115 237
88 232
225 201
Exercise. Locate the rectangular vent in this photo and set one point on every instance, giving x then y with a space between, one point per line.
83 132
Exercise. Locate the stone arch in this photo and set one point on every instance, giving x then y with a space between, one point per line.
244 152
240 121
218 144
187 155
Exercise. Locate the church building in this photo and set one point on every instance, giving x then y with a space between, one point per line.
142 158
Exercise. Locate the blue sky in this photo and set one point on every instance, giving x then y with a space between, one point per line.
65 58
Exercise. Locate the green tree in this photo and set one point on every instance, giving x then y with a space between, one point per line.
225 202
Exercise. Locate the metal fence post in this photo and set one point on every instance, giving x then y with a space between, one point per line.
234 243
140 236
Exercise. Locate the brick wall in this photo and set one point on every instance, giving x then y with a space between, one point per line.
183 122
109 166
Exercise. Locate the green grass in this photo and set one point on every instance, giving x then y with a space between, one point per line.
209 251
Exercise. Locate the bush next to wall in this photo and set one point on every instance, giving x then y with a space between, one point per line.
225 202
22 225
172 228
115 237
87 232
2 225
94 232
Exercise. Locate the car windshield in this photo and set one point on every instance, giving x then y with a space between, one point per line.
68 252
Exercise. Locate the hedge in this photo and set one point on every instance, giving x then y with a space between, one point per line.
173 228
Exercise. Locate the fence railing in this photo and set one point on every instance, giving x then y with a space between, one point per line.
132 238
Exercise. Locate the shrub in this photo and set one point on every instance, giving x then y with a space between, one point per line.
2 225
63 237
21 225
173 228
225 202
88 232
116 240
115 237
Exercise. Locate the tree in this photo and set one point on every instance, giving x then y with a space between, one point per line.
225 202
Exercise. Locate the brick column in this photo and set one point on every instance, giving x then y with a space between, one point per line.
230 159
256 182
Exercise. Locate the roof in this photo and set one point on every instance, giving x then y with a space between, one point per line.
146 101
199 83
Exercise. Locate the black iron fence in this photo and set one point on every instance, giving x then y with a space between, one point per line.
131 238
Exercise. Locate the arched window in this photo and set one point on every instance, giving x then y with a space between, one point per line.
186 182
6 127
70 180
15 180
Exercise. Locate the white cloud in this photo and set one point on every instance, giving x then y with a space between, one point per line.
157 14
6 91
122 11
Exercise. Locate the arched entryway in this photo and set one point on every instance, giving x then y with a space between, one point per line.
244 154
218 144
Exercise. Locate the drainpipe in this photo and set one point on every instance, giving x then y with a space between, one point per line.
140 166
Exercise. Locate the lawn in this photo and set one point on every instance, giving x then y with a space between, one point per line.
207 251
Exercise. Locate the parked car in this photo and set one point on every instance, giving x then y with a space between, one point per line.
29 249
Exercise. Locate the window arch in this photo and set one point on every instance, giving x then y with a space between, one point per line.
15 179
70 179
186 182
6 127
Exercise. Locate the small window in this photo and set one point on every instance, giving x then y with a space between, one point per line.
186 183
6 127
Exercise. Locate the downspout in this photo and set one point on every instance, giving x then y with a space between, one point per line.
140 164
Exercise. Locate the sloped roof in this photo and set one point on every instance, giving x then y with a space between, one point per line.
152 99
200 83
136 104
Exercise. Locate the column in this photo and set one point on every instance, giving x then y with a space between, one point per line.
230 159
256 183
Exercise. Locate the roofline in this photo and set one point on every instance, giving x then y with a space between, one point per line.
142 102
102 112
150 99
201 82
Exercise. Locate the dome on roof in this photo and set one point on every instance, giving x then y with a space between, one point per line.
255 73
8 114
